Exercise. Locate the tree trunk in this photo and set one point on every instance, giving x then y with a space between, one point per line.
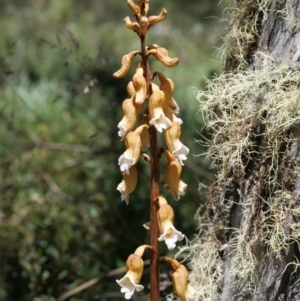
254 202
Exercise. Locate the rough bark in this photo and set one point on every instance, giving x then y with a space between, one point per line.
276 276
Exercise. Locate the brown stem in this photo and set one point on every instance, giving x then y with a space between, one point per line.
155 177
154 268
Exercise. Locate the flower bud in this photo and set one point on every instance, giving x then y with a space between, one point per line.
126 62
173 171
143 26
180 276
135 9
156 19
162 55
131 25
165 218
172 135
157 116
128 183
146 3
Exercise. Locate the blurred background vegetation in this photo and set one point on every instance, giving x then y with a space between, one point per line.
62 222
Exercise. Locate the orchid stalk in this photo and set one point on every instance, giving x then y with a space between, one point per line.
154 109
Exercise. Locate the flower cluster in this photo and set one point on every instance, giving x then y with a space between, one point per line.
151 108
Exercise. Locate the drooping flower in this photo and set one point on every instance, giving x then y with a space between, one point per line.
128 183
167 86
173 171
165 217
180 276
158 118
133 145
172 135
130 111
134 265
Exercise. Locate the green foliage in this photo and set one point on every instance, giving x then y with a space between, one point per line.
62 221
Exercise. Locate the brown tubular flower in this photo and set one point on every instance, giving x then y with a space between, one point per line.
173 171
133 145
180 276
135 266
172 135
167 86
162 55
130 111
157 116
126 62
140 85
156 19
128 183
165 218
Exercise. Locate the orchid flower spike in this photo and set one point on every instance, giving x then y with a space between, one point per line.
165 217
126 62
140 86
135 266
130 111
180 276
162 55
167 86
133 145
128 183
158 118
173 171
172 135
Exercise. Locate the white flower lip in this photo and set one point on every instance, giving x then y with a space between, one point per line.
190 293
125 162
180 151
160 121
171 238
122 129
128 286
